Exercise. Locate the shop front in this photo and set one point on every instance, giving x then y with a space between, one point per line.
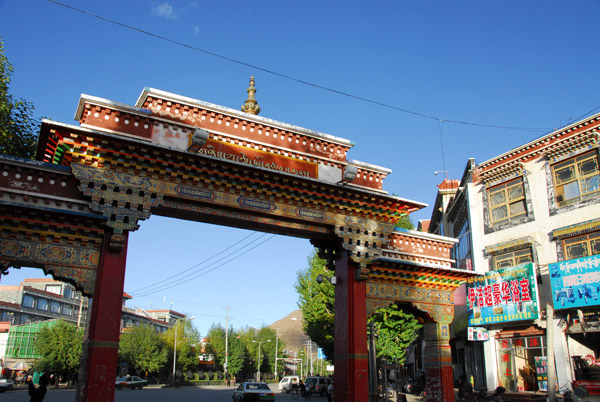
575 287
503 310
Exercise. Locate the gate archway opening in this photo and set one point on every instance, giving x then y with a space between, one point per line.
71 213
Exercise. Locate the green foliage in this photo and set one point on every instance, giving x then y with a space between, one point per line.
18 129
60 346
238 355
317 302
405 223
396 331
142 349
187 338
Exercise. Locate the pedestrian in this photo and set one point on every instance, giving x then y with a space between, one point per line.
38 394
330 392
302 388
464 387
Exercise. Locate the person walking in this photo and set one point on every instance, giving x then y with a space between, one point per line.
38 394
330 392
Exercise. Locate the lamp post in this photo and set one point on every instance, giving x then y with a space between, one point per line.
258 357
175 349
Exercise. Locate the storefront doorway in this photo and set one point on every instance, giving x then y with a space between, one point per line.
521 361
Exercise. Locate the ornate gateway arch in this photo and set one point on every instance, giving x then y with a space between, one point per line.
70 213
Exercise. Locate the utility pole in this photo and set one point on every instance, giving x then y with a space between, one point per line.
276 345
312 372
226 340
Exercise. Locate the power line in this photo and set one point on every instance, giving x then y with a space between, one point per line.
335 91
200 263
203 271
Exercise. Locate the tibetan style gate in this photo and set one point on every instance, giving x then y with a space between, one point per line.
70 213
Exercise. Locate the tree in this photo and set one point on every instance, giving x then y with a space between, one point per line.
405 223
18 129
60 346
143 350
396 330
187 337
317 302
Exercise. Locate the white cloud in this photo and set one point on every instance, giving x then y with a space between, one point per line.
164 10
196 29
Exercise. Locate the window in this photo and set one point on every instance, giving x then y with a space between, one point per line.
67 310
461 251
42 304
511 259
55 307
576 179
68 292
28 301
8 316
582 246
507 202
56 289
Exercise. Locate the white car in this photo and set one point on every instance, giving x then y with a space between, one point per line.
253 388
288 383
5 385
130 381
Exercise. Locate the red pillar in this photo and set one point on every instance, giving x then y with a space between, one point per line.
101 343
351 360
438 363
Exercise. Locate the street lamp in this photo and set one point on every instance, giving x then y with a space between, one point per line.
175 349
258 358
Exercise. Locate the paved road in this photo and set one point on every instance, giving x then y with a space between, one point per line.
149 394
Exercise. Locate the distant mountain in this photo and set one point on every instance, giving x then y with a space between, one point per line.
291 332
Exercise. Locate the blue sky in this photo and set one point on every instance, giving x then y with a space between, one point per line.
529 65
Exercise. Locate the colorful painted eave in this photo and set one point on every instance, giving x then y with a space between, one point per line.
584 133
159 108
233 112
365 195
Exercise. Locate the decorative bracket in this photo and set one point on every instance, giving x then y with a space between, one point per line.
122 198
364 240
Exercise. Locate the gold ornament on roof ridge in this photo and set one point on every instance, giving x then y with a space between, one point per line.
251 105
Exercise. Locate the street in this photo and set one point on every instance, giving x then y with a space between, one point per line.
150 394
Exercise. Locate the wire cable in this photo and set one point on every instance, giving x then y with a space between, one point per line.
200 263
203 271
335 91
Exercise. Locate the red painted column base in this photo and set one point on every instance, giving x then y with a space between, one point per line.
351 358
100 358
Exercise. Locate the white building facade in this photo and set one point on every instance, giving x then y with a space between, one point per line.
537 204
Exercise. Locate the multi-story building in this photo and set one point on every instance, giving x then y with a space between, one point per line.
37 303
40 300
528 221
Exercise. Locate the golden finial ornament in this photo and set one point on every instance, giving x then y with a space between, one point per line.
251 105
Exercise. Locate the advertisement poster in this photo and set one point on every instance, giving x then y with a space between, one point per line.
478 334
508 294
575 283
541 370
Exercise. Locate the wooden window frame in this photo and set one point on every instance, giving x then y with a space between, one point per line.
506 188
577 177
590 240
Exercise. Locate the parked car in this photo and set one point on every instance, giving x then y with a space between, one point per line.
5 385
247 391
288 383
130 381
317 384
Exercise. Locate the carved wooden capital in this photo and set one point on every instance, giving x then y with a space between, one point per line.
122 198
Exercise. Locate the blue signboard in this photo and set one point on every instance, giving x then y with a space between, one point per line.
320 354
575 283
507 294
